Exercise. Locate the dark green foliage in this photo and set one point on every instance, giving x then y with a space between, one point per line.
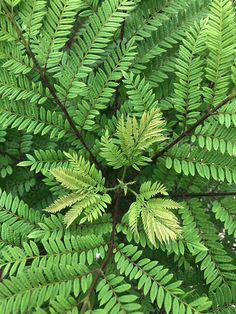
117 156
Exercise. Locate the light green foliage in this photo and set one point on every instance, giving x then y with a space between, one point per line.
56 28
209 165
158 222
132 138
224 211
117 156
102 85
221 44
32 13
20 88
86 182
187 99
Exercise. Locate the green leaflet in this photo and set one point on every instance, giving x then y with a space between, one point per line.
207 164
117 156
133 138
86 182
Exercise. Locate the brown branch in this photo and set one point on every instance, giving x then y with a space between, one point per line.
47 84
117 92
72 37
108 256
194 126
189 130
206 194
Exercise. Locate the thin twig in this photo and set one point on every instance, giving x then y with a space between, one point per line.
72 37
117 197
108 256
194 126
189 131
47 84
117 92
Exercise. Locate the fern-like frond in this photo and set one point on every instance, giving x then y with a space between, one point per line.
69 179
15 60
134 137
17 214
85 201
65 201
114 295
58 252
160 224
112 153
227 115
190 231
215 137
189 66
87 171
24 291
10 237
216 264
32 13
191 161
141 137
7 32
54 227
20 88
221 44
148 190
90 45
189 239
57 25
141 95
172 31
103 84
87 183
155 281
225 211
44 160
33 119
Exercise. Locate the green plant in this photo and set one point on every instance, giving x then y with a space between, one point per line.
117 156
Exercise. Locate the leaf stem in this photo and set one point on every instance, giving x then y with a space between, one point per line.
47 84
107 258
189 130
133 192
111 242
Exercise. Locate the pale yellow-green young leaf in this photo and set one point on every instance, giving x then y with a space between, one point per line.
125 131
150 129
64 201
70 179
85 171
96 210
134 214
164 203
148 190
79 206
159 224
135 136
12 3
